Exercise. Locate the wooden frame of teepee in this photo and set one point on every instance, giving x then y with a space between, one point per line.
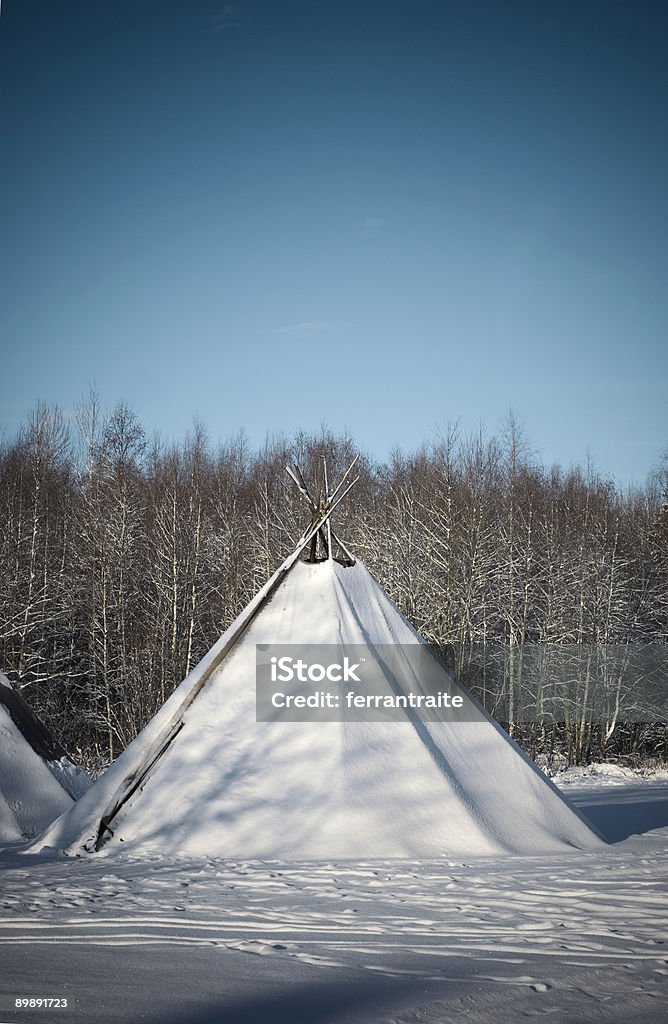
325 538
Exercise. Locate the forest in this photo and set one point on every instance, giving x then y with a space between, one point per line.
123 557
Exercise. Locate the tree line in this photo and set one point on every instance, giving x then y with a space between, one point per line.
123 558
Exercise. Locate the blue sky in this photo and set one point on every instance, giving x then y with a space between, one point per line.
380 215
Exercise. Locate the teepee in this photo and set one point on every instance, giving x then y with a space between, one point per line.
205 778
38 782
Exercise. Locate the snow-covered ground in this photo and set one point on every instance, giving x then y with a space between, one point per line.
571 937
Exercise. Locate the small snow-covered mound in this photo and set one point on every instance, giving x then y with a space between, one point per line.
34 787
71 777
605 774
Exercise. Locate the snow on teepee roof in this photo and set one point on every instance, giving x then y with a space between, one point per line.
206 778
37 780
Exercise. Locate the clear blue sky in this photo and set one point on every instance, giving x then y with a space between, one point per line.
383 215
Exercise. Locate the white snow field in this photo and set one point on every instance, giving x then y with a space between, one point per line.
573 937
33 790
231 786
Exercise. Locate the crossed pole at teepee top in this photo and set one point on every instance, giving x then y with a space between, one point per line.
320 506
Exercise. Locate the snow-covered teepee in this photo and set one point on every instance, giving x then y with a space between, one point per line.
38 781
206 778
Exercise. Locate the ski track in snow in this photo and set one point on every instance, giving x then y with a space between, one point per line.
589 923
